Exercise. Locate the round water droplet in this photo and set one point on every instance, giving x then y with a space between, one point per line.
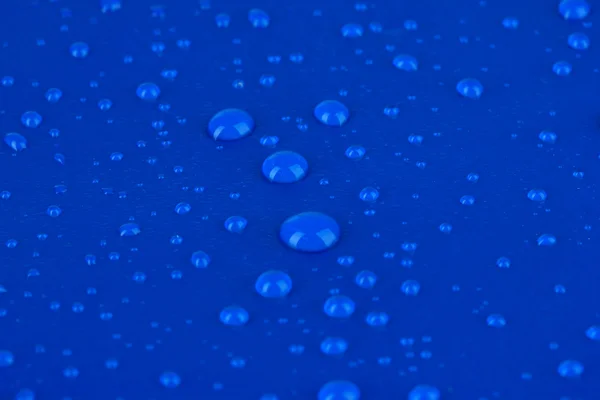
339 306
31 119
236 224
200 259
355 152
258 18
129 229
496 321
369 194
579 41
285 167
6 358
222 20
25 394
170 379
503 262
570 369
593 332
15 141
148 91
424 392
546 240
79 50
410 287
574 9
234 316
365 279
230 124
537 195
352 30
54 211
110 5
562 68
470 88
310 232
334 346
53 95
405 62
273 284
342 390
331 113
548 137
183 208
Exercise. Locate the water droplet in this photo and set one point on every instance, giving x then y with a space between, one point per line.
424 392
129 229
470 88
345 390
258 18
236 224
285 167
273 284
310 232
574 9
230 124
570 369
331 113
31 119
200 259
170 379
405 62
339 306
579 41
79 50
15 141
148 91
234 316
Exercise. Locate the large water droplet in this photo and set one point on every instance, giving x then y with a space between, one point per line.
310 232
230 124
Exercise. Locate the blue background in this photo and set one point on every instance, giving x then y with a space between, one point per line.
495 136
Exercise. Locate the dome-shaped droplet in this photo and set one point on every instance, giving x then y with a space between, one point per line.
258 18
110 5
15 141
148 91
537 195
424 392
273 284
562 68
31 119
236 224
355 152
331 113
79 49
6 358
574 9
285 167
470 88
352 30
334 346
200 259
405 62
339 390
170 379
234 316
546 240
129 229
339 306
570 369
230 124
579 41
310 232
